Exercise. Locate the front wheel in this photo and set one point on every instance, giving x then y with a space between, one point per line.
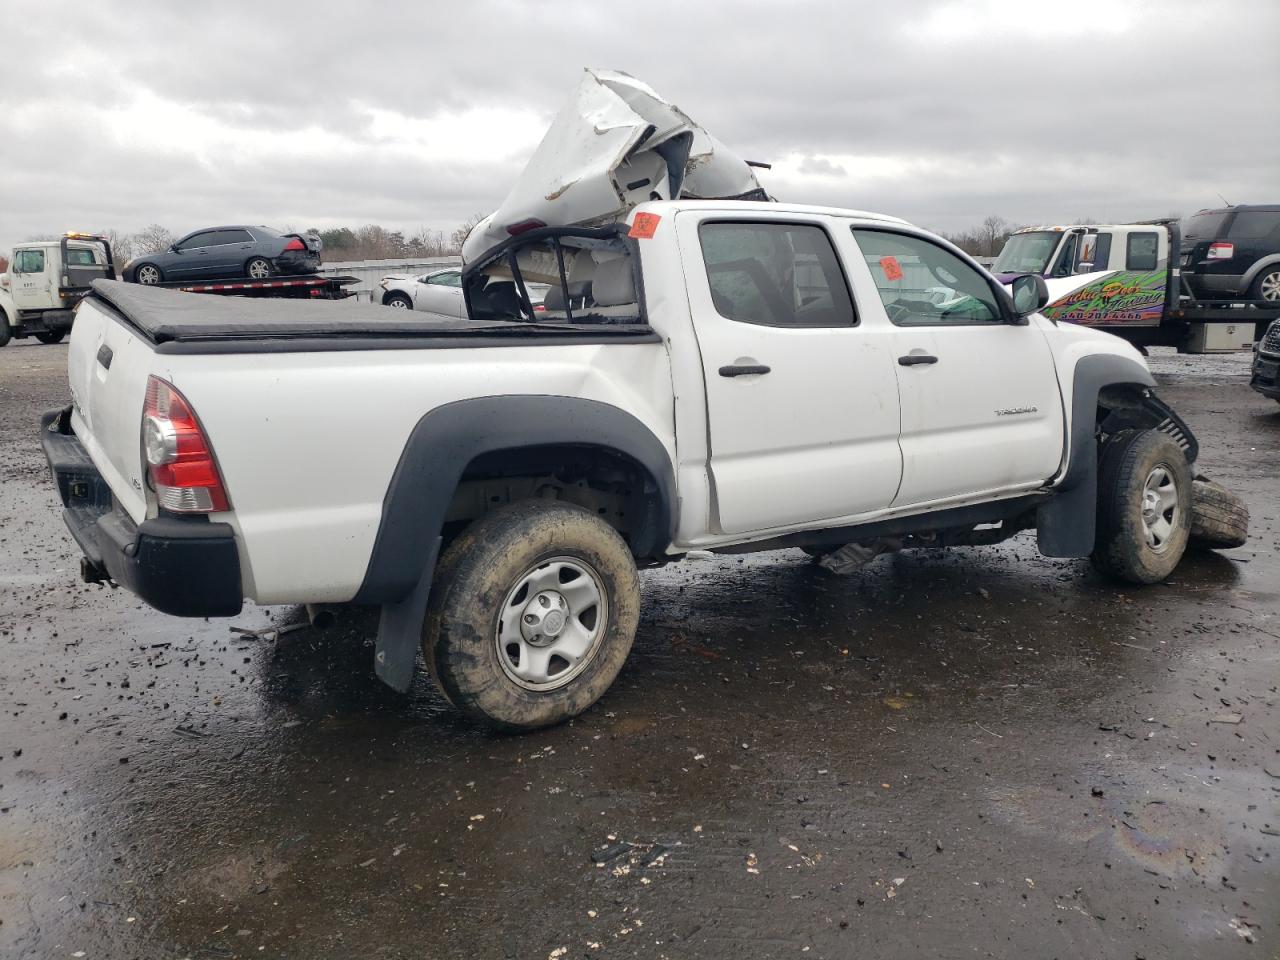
51 336
6 334
1144 506
148 274
533 611
398 300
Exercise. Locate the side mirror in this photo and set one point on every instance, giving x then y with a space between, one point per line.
1029 292
1084 266
173 248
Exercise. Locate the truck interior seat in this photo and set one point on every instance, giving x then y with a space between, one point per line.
613 290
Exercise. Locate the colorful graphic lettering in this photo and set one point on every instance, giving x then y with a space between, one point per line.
1125 297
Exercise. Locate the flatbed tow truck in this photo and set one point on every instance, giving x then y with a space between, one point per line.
1127 279
307 287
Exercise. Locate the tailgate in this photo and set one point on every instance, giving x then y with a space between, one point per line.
107 367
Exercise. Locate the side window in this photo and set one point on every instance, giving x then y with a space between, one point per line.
1067 257
776 274
29 261
1253 225
450 279
1140 254
1101 253
205 239
234 236
79 257
923 284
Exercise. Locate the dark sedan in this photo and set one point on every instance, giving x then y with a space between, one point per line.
219 253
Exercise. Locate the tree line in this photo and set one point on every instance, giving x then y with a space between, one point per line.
370 242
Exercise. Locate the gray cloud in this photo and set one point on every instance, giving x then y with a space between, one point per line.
938 112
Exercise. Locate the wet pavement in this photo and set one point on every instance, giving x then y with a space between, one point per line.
971 752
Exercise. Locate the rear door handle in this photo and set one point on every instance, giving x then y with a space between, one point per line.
912 359
744 369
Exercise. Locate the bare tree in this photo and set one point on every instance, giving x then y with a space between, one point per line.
152 239
459 236
121 245
992 234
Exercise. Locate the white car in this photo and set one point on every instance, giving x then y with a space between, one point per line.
437 292
707 374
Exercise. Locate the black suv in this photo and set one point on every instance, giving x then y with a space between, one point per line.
1234 253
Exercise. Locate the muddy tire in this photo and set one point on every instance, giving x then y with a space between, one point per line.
532 614
1219 519
1144 506
51 336
6 334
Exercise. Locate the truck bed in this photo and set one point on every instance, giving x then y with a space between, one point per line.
177 322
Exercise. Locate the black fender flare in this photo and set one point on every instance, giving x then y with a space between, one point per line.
1065 525
435 456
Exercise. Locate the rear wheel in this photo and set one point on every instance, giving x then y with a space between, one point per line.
532 614
148 274
1266 285
1144 506
398 300
51 336
259 268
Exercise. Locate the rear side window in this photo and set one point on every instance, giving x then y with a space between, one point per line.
1140 254
923 284
234 236
1205 226
1253 225
80 257
776 274
29 261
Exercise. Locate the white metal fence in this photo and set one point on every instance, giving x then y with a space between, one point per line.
371 271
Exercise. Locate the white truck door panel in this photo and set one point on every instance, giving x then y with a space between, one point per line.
31 278
813 433
981 408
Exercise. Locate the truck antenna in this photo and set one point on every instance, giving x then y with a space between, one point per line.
1223 199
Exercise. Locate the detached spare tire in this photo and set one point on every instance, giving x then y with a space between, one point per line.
1219 518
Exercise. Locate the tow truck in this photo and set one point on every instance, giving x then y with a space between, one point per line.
45 281
1126 279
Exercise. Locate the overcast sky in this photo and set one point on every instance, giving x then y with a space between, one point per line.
116 115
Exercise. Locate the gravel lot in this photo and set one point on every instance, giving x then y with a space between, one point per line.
964 753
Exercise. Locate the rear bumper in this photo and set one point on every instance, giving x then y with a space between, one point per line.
1266 375
1209 285
182 566
294 262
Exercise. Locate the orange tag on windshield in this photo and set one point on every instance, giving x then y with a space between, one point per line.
644 225
892 269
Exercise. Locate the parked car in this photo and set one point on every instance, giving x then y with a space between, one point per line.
1234 252
224 252
707 374
1266 364
437 292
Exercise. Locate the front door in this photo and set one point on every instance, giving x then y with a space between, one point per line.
981 409
440 293
31 278
801 398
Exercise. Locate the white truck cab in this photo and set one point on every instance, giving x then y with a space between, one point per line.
1060 250
45 281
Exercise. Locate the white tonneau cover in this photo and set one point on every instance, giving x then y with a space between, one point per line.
615 144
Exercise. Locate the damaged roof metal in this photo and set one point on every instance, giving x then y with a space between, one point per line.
614 145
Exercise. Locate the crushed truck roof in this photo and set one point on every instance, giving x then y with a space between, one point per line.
615 144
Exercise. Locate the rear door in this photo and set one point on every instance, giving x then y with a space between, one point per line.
234 248
981 410
802 404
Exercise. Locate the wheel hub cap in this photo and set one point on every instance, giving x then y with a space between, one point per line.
1160 514
551 624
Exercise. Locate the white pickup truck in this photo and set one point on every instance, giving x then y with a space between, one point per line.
718 375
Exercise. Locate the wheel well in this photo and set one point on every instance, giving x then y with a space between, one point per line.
610 484
1130 406
395 293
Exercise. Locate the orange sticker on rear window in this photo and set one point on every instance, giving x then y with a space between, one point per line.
644 225
892 269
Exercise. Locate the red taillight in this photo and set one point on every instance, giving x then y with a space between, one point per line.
1222 251
524 226
180 462
295 244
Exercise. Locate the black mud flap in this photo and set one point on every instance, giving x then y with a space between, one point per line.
400 630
